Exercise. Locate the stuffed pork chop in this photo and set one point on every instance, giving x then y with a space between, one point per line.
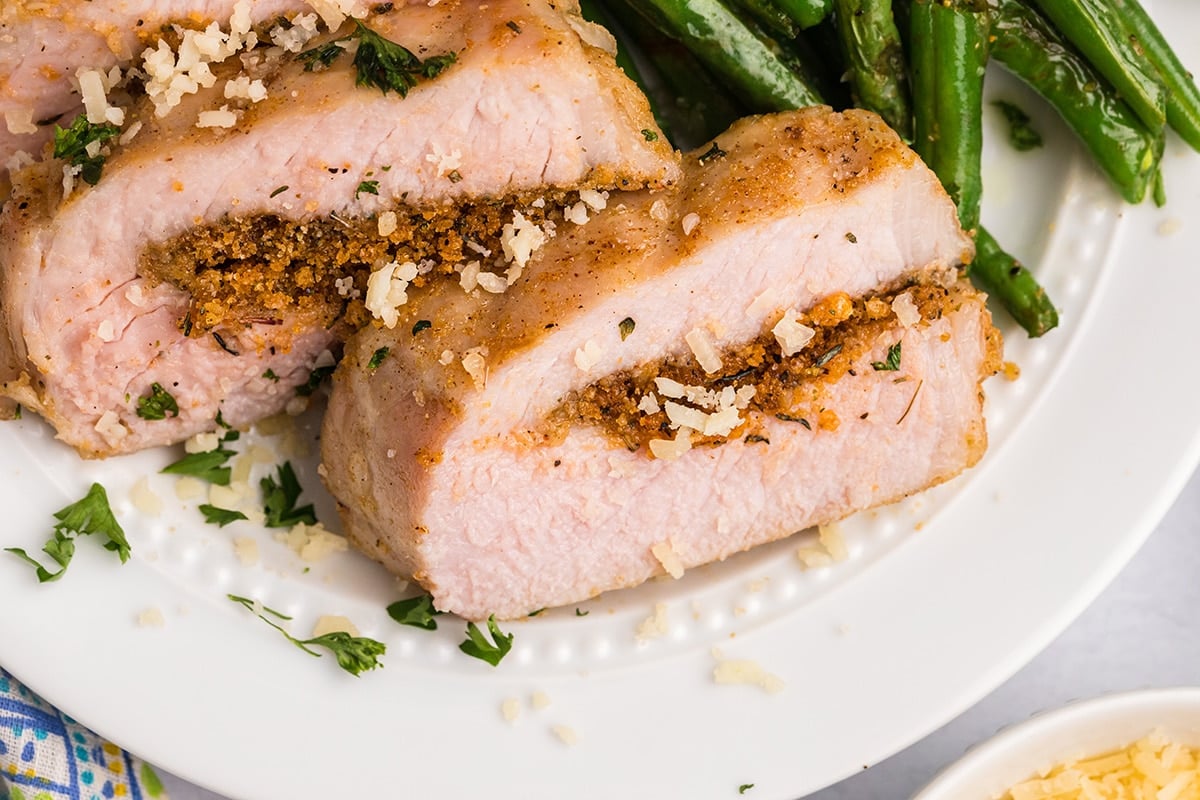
777 342
225 246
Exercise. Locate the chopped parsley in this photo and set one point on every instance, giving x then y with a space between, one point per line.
157 404
581 613
1021 134
220 517
72 145
367 187
315 379
893 360
270 375
421 325
377 358
512 26
626 327
279 500
745 787
713 152
477 645
355 654
828 356
754 438
208 466
279 191
91 515
391 67
649 135
415 611
321 56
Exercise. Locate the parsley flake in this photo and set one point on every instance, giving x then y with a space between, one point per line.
367 187
790 418
270 375
354 654
477 645
72 145
626 327
421 325
581 613
377 358
218 516
1021 134
391 67
315 379
279 500
745 787
415 611
893 360
157 404
512 26
649 135
279 191
322 56
91 515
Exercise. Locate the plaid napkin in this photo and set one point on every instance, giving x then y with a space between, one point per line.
46 755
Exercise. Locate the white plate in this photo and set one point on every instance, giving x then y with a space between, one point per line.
1072 733
944 596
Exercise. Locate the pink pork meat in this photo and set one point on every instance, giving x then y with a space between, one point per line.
692 374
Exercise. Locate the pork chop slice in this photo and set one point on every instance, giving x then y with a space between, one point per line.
273 217
515 452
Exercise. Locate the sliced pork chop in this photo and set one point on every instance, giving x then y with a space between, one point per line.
320 177
517 452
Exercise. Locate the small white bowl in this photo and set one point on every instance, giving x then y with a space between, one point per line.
1079 730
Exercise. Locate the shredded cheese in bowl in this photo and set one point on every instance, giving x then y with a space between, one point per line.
1153 768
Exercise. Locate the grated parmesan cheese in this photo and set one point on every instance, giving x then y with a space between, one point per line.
671 449
830 537
668 556
566 734
659 211
1153 768
293 39
387 290
333 623
151 618
791 334
520 239
475 363
19 121
689 223
510 709
704 350
202 443
597 200
111 428
491 282
649 404
655 625
221 118
906 310
387 223
746 673
312 543
144 499
588 356
242 88
539 700
577 213
246 550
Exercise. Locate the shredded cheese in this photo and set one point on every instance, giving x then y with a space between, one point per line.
1153 768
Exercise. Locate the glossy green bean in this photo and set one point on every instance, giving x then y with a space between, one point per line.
806 13
878 72
771 17
1124 148
1008 281
949 43
1183 98
756 67
1097 31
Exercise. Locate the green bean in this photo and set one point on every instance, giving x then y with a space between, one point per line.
774 19
1124 148
949 44
1008 281
754 65
1097 31
872 49
690 105
1183 98
806 13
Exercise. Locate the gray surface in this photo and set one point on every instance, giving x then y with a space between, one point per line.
1144 630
